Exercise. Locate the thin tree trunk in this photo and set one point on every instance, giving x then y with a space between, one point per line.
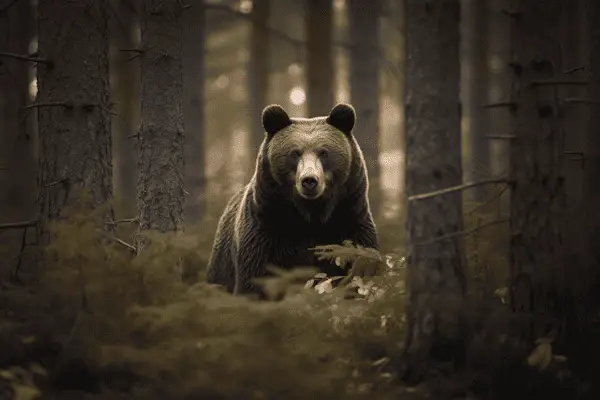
73 107
17 162
258 71
436 276
573 128
319 57
474 85
125 87
364 83
161 156
498 114
591 148
537 170
194 38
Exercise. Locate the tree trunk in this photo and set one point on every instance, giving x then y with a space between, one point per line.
573 128
194 38
473 88
258 72
319 57
436 276
364 83
161 158
125 87
73 107
537 170
591 148
17 162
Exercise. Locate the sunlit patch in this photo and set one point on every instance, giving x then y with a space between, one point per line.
221 82
33 45
297 96
245 6
238 93
33 89
339 4
294 70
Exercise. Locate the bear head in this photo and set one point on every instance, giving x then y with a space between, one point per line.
309 159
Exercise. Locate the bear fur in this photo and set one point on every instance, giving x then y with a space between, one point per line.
309 188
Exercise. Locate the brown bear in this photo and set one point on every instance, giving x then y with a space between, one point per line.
309 188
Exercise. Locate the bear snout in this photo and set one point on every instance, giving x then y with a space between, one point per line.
309 183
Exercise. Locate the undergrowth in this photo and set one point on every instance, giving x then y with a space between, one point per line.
135 327
105 321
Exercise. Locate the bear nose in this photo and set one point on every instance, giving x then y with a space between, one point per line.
309 182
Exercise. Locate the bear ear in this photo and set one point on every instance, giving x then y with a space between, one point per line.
342 117
275 118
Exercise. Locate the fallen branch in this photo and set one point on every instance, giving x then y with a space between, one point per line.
22 57
462 233
18 225
456 189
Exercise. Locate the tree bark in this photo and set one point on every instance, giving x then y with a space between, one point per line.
497 121
365 58
575 116
258 72
436 268
194 38
73 107
591 149
319 57
473 88
161 156
125 88
17 161
537 170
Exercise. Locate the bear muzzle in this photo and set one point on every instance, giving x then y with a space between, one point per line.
310 182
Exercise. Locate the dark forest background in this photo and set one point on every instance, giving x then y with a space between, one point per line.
126 125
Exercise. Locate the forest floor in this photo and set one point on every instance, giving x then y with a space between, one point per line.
101 324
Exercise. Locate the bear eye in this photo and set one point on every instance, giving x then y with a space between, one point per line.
295 153
323 153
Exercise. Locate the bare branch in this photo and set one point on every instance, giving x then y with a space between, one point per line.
281 35
509 104
49 104
462 233
575 69
18 225
69 105
123 243
557 82
503 137
27 58
8 6
140 51
511 13
55 183
121 221
488 201
576 100
458 188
